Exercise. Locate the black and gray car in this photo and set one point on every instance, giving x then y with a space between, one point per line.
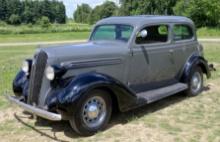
127 62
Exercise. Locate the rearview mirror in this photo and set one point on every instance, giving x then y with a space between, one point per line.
143 33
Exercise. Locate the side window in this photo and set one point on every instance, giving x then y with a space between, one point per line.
153 34
182 32
126 32
105 32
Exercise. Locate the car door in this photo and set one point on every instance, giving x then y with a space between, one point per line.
151 64
185 44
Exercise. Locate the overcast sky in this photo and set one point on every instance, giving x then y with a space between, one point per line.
72 4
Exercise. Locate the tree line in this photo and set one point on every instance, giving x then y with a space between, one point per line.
85 14
32 11
202 12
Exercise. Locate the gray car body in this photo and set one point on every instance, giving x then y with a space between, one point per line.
138 67
132 68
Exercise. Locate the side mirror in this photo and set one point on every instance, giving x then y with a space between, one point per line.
143 33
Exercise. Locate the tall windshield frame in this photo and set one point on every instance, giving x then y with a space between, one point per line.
112 32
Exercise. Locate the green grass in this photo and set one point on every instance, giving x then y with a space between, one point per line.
10 38
212 52
208 32
52 28
177 118
10 60
32 33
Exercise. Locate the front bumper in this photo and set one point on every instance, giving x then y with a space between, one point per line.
36 111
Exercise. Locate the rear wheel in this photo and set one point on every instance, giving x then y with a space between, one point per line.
93 113
195 82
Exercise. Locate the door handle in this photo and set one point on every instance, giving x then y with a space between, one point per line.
171 51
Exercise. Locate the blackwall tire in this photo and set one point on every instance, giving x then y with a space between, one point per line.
93 113
195 82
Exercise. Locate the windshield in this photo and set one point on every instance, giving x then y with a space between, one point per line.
112 32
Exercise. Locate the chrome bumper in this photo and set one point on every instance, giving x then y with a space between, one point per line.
36 111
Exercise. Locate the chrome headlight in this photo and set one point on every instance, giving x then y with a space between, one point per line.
50 73
25 66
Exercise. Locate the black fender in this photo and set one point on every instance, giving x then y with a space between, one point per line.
194 61
20 84
78 87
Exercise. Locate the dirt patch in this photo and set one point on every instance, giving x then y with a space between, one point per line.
8 114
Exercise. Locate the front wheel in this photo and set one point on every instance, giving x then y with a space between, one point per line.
195 82
93 113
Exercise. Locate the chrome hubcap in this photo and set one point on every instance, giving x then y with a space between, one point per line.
196 82
94 112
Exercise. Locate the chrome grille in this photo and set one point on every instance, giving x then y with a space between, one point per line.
36 76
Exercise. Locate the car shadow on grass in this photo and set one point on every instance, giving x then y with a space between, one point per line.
118 118
126 117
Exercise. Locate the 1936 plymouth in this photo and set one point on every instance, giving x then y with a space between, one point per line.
127 62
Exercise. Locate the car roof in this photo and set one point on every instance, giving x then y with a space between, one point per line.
140 20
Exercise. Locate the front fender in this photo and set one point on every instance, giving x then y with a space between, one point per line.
20 84
194 61
68 97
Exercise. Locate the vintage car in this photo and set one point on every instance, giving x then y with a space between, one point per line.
127 62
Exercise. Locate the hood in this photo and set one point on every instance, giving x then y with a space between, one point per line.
86 51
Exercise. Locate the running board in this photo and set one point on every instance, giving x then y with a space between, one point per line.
157 94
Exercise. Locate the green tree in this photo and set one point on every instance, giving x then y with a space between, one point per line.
31 11
28 14
60 12
44 22
46 10
105 10
36 10
128 7
95 15
82 13
14 7
143 7
108 9
14 19
202 12
3 10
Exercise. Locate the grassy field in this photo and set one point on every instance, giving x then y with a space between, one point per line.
12 38
33 33
175 119
208 32
51 28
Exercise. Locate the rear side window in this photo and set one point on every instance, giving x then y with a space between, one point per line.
154 34
182 32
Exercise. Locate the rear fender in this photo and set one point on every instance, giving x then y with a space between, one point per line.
193 62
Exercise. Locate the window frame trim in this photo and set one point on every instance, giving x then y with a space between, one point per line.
154 44
184 40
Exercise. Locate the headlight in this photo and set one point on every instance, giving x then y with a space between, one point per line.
25 66
50 73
